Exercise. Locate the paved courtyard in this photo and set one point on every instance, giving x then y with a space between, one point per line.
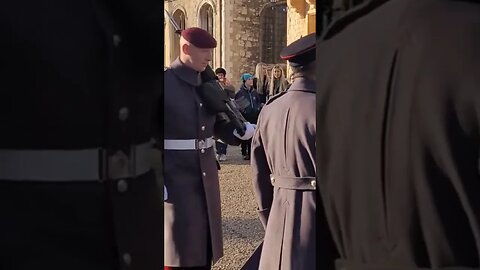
241 227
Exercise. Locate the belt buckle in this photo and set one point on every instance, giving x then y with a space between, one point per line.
121 164
200 144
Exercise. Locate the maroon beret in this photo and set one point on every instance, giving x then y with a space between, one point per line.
199 37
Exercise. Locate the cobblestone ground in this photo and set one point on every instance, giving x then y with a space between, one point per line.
242 230
241 226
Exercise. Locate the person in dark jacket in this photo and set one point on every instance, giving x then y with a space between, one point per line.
224 82
398 120
81 88
220 147
250 105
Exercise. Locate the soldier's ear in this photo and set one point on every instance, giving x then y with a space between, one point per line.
185 49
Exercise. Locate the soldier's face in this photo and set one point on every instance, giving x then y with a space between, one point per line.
199 57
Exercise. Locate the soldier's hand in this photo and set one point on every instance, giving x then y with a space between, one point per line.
250 130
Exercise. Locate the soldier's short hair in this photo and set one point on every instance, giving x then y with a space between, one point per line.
303 71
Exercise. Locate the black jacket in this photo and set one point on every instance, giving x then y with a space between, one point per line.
80 74
249 103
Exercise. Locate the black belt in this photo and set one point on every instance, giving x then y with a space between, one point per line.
74 165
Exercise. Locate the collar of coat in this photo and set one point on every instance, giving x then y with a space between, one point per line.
186 74
351 16
303 84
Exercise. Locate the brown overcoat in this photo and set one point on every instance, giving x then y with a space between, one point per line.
283 165
399 114
192 212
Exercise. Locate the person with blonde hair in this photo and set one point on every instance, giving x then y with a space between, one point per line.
262 81
277 83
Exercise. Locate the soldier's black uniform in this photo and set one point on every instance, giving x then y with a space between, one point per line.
80 82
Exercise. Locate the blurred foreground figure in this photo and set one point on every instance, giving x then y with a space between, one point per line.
398 158
80 86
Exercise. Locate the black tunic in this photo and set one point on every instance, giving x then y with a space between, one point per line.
79 75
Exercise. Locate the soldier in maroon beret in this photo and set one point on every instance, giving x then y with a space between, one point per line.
193 225
197 46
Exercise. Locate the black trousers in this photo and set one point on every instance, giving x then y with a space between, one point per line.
246 145
221 148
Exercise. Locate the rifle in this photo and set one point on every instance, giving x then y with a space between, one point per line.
212 93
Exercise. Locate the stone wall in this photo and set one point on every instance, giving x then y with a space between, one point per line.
237 30
301 19
242 37
296 26
191 10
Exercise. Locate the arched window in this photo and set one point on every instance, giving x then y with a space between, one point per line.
179 17
206 18
273 20
206 23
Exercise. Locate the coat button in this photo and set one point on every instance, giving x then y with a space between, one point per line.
313 183
123 114
122 186
204 174
201 104
272 179
203 128
116 40
202 151
127 258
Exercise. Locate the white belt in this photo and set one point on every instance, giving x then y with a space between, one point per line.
192 144
71 165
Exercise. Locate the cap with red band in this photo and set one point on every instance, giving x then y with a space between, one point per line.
301 51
